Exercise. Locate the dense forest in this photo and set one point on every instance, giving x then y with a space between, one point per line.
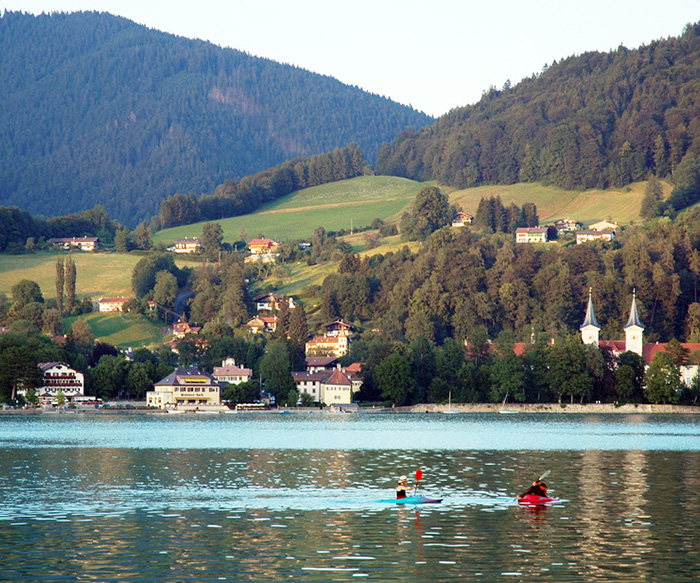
588 121
99 110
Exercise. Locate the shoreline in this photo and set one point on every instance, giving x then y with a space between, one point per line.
439 408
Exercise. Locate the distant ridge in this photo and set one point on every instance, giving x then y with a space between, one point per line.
97 109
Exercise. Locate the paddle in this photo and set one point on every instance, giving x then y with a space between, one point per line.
419 475
543 476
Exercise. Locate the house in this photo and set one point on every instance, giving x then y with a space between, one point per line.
604 226
111 304
462 219
338 328
82 243
634 340
260 324
584 236
263 246
186 388
330 387
268 302
58 377
229 373
531 235
182 329
567 225
327 346
321 363
187 245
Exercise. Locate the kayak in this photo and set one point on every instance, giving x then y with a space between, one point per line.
535 500
413 500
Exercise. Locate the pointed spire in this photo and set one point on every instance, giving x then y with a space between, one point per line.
590 313
634 314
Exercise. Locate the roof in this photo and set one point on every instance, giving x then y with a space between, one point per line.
113 300
634 320
175 378
232 369
531 230
338 377
318 376
590 319
320 360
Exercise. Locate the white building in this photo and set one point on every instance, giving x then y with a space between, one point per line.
229 373
58 378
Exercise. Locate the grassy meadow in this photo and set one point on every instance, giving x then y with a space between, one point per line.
124 330
339 205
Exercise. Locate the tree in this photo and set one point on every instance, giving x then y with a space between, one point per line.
165 290
629 378
138 379
25 292
18 369
212 236
430 211
652 203
52 323
276 372
663 380
394 380
80 338
60 279
70 278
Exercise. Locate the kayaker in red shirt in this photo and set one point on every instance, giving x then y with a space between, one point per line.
538 488
402 488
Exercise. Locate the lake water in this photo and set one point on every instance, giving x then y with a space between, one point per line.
122 498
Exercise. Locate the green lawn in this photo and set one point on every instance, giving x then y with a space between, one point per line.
123 330
340 205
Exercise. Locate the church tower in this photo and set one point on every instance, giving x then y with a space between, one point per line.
634 329
590 329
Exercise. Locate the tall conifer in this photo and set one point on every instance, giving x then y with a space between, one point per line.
60 279
70 276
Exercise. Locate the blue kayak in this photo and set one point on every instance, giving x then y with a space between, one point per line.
413 500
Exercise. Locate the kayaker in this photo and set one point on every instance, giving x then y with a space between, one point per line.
402 488
538 488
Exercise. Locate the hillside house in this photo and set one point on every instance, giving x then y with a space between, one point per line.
82 243
263 250
338 328
270 302
584 236
604 226
531 235
112 304
567 225
462 219
187 245
182 329
321 363
327 346
260 324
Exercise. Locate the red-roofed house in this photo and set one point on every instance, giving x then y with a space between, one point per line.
111 304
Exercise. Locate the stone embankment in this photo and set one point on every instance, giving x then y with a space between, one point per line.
592 408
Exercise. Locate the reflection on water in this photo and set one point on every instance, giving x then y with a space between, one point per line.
75 510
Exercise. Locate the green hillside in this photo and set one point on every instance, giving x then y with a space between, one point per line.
334 206
123 330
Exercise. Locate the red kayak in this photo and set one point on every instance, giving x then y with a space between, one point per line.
535 500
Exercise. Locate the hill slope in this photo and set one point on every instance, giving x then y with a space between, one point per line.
97 109
589 121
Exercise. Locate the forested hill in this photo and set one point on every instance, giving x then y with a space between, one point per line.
97 109
592 120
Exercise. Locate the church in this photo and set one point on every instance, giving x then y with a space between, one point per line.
634 339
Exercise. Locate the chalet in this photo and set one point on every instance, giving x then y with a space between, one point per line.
604 226
229 373
270 302
321 363
263 251
585 236
531 235
187 245
338 328
82 243
187 388
462 220
567 225
634 340
260 324
182 329
112 304
58 377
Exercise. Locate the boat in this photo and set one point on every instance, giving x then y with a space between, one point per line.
503 407
450 410
412 500
535 500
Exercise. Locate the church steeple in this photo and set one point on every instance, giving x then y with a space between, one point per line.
590 329
634 328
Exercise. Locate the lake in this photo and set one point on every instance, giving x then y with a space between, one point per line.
272 497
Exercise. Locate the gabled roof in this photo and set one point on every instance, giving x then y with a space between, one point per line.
338 377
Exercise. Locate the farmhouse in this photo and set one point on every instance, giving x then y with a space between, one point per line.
584 236
187 245
531 235
82 243
604 226
260 324
567 225
182 329
462 220
111 304
269 302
